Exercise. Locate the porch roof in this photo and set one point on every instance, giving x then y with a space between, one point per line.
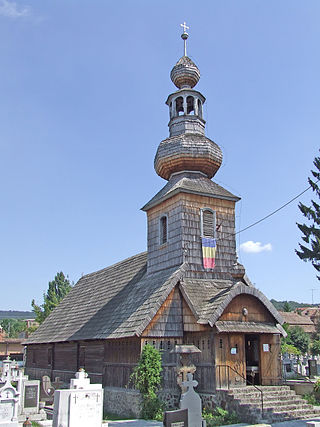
249 327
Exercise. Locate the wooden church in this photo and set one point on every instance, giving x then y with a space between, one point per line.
188 288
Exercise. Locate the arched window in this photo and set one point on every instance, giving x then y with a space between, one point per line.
163 230
208 223
190 104
179 106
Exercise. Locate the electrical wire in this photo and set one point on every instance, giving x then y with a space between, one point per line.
275 211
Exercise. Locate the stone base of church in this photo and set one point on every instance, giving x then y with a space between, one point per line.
122 402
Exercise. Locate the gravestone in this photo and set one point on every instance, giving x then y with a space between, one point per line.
6 370
29 403
9 400
177 418
46 390
312 364
191 400
80 405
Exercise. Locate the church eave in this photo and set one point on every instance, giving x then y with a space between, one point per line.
152 204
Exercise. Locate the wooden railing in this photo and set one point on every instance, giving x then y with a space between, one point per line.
229 369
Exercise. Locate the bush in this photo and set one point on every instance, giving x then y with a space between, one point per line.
146 378
311 399
290 349
219 417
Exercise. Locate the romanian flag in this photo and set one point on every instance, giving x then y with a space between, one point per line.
209 247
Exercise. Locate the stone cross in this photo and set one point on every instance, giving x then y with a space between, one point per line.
191 400
190 382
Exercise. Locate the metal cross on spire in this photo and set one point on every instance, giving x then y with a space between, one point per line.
184 36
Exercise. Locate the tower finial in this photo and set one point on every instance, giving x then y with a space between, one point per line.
184 36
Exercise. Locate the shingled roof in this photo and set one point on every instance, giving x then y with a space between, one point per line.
121 300
190 182
294 319
118 301
209 298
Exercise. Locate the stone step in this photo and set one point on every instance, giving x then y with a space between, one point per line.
262 387
273 403
280 404
291 414
271 395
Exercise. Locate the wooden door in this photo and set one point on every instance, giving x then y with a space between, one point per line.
270 366
230 360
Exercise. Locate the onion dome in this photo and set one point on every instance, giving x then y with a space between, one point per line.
187 152
185 73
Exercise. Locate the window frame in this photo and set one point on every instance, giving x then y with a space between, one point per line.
161 240
202 210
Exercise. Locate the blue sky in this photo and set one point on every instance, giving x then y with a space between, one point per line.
82 110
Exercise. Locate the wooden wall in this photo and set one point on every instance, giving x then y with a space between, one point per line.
120 358
183 213
168 322
270 364
257 312
223 344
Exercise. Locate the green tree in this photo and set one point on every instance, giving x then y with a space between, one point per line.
57 290
315 347
13 327
146 377
287 306
298 338
290 349
311 231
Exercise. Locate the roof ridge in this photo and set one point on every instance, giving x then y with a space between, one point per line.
115 264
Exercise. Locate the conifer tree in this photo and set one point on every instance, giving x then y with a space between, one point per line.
57 290
311 230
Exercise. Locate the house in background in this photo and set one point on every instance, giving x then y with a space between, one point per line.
295 319
312 312
12 347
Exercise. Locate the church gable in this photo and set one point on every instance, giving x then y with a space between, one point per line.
168 322
246 308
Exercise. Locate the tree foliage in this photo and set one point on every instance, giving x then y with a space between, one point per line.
298 338
57 290
311 230
146 377
287 307
315 347
290 349
13 327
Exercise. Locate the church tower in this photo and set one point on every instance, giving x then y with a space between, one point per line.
190 209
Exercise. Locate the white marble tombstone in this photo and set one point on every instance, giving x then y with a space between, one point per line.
9 400
79 406
191 400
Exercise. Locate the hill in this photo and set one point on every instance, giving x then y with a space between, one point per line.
279 305
13 314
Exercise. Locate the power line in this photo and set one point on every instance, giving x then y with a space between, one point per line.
277 210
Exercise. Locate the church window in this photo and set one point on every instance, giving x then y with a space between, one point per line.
50 356
163 229
208 223
190 104
179 106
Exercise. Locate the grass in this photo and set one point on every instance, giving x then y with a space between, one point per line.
114 417
219 417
